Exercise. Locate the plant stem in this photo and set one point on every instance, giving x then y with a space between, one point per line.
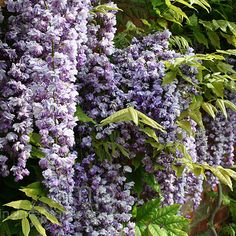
213 214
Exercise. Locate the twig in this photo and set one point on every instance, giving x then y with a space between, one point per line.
213 214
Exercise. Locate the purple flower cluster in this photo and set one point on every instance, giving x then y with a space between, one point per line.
16 96
49 38
140 69
104 200
53 66
59 54
221 140
215 144
99 95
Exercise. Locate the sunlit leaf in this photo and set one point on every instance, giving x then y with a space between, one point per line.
48 215
37 224
17 215
21 204
25 226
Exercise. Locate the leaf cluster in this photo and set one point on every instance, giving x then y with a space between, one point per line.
154 220
30 210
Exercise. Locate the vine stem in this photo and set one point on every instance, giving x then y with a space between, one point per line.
216 208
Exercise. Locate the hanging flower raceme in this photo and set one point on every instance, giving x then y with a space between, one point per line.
16 94
140 70
99 94
48 36
55 96
104 200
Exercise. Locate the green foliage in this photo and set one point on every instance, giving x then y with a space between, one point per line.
34 190
130 114
35 140
106 149
20 204
82 116
124 38
104 8
141 178
223 174
215 76
206 25
229 200
27 210
153 220
228 230
25 226
37 224
17 215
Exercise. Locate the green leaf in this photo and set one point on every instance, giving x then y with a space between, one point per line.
229 172
21 204
150 122
104 8
25 226
220 103
166 211
119 116
218 88
193 20
209 108
145 22
202 3
186 4
227 52
200 37
34 193
176 232
231 39
35 139
198 171
134 115
52 203
36 152
163 23
37 224
147 210
17 215
178 170
225 67
82 116
151 181
224 179
232 27
48 215
197 117
151 219
155 230
208 25
185 125
196 103
169 77
214 38
170 221
130 114
123 150
150 133
137 231
222 24
176 9
141 229
184 151
230 105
